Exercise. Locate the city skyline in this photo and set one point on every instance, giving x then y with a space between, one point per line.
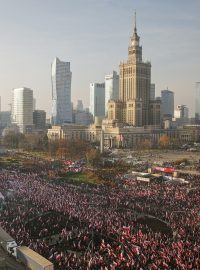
95 45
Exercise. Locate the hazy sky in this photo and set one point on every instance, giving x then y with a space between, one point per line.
94 36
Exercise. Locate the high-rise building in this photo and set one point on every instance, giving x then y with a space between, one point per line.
155 112
61 92
79 105
22 109
83 118
134 86
39 119
5 119
181 111
167 106
197 101
135 83
152 91
111 89
97 99
181 115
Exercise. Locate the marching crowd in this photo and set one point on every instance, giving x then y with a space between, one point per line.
98 227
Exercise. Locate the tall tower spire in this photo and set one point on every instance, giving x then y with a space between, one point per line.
135 50
135 26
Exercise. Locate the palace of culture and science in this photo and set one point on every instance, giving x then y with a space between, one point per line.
135 117
134 106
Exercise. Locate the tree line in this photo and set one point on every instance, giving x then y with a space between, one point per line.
62 149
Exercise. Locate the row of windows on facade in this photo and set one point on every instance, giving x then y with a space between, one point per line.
128 137
131 71
75 135
126 83
112 106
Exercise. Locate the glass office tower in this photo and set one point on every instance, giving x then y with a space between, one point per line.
61 92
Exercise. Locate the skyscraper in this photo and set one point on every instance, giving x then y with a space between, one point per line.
61 92
22 109
39 119
197 101
111 88
134 85
79 105
5 119
167 105
97 99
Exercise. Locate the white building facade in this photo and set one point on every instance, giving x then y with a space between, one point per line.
97 99
22 109
61 92
111 89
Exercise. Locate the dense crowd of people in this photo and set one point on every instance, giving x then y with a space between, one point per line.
83 227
